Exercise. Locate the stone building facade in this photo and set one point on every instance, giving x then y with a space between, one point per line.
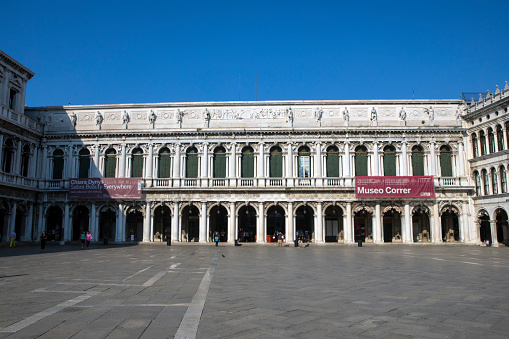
248 170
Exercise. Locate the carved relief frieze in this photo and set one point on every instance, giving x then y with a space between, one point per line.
112 117
139 115
86 117
226 114
165 115
387 113
357 113
334 113
416 113
444 112
303 113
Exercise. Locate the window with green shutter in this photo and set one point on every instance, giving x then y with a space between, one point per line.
219 163
446 161
276 162
84 163
361 161
110 163
332 162
477 184
58 164
389 161
137 163
192 163
503 179
247 163
164 164
417 160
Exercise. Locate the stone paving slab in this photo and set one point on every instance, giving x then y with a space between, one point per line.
145 291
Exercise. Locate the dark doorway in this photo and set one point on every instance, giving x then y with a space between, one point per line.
162 223
190 224
501 217
334 224
218 222
134 226
247 224
485 229
275 222
420 224
392 226
362 225
450 226
80 221
107 224
54 224
305 222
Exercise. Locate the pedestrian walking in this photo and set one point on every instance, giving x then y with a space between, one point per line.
88 239
44 238
216 237
82 239
13 239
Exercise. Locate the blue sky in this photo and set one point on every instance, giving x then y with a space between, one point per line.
107 52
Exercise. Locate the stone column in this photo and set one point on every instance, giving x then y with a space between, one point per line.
176 170
1 140
346 168
92 222
150 161
319 223
70 163
232 175
260 224
289 229
29 222
146 224
437 227
376 166
121 170
232 225
432 160
96 161
407 235
318 165
175 224
203 223
12 224
65 226
289 165
205 165
120 229
378 228
464 225
261 165
461 163
494 238
17 159
151 227
348 225
44 163
33 161
40 225
404 159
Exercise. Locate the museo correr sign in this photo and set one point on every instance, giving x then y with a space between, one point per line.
105 188
395 187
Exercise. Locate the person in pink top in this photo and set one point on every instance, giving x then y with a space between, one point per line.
88 238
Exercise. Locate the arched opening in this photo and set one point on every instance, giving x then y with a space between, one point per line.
484 226
482 138
503 179
477 180
304 161
134 225
107 224
276 162
190 224
362 223
219 162
58 164
218 222
247 224
361 161
305 223
4 219
80 218
450 225
192 163
19 225
110 163
417 160
389 161
8 154
162 224
164 163
392 226
247 163
485 181
502 230
500 138
84 163
446 161
137 163
334 231
332 162
491 140
54 230
421 225
475 146
25 160
494 180
275 222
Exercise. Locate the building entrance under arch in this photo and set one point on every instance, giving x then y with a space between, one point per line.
334 224
107 224
392 226
54 224
218 222
162 224
275 222
80 219
190 224
4 221
19 225
450 226
484 228
247 224
421 227
502 226
305 223
363 226
134 226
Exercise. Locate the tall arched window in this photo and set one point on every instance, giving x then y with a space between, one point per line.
220 162
477 184
494 180
475 146
304 162
247 163
84 163
482 137
485 182
58 164
276 162
500 138
361 161
25 160
417 160
192 163
503 179
446 161
110 163
332 162
8 154
491 140
137 163
389 161
164 163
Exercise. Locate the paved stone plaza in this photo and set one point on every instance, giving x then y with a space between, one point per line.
155 291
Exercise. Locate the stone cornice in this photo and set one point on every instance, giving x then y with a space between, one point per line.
16 65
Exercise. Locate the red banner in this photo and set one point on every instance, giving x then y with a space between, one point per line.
105 188
395 187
